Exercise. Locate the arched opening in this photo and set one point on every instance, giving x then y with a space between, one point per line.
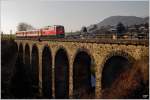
15 47
113 67
35 66
20 83
83 78
61 74
20 54
27 55
28 69
27 59
46 73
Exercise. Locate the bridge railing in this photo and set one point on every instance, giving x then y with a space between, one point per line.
109 36
101 38
104 41
115 36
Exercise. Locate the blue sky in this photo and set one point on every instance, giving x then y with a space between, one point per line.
72 14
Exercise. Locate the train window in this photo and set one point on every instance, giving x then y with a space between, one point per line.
51 28
46 28
60 28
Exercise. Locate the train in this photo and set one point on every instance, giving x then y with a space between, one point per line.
58 31
55 31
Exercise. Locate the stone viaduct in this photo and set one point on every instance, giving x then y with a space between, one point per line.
65 69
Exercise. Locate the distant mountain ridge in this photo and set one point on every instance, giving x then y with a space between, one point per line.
126 20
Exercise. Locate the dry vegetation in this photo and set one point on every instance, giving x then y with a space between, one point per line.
133 83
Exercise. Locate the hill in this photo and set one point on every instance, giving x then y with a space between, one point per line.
126 20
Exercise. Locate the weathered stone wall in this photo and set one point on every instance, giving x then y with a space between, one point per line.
99 54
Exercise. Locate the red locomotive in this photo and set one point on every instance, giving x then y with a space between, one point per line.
56 31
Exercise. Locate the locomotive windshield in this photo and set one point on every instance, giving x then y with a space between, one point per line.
60 27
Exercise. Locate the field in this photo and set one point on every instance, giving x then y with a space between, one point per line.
8 36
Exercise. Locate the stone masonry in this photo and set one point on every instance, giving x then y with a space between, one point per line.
98 52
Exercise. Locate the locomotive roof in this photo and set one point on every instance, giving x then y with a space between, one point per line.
39 29
29 30
53 25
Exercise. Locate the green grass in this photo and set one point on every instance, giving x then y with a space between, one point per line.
71 33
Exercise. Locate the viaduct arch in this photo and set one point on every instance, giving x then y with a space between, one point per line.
20 54
35 67
114 64
47 72
77 63
61 73
27 54
82 65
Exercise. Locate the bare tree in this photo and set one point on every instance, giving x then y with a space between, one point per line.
24 27
83 29
120 28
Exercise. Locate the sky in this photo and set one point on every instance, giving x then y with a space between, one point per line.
71 14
